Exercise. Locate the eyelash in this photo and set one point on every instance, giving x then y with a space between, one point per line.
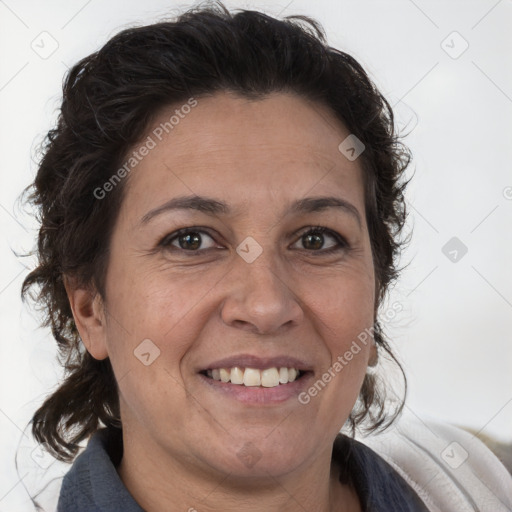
342 244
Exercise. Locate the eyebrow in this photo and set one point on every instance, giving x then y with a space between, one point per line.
215 207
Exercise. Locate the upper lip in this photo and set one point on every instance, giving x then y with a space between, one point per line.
252 361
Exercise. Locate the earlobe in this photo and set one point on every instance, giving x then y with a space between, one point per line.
87 307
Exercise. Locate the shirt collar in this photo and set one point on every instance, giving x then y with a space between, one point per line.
93 480
93 483
379 487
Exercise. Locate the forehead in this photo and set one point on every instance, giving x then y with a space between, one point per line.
250 151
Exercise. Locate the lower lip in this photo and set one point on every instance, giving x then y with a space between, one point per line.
258 394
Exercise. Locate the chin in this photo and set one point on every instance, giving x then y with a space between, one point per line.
257 456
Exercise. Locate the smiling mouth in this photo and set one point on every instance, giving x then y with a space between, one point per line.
254 377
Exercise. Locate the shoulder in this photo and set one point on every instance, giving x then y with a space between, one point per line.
449 468
92 483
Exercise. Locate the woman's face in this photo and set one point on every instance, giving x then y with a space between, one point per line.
243 283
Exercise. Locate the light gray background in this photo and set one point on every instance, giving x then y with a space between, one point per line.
453 334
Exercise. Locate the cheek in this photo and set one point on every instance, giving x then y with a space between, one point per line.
148 335
344 316
153 397
134 320
344 304
155 318
148 302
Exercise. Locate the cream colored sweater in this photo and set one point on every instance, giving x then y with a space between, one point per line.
450 469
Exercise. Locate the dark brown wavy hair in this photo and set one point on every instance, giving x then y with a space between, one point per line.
109 101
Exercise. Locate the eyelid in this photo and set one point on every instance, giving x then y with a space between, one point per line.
167 239
342 243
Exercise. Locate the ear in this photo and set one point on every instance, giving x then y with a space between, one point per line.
89 315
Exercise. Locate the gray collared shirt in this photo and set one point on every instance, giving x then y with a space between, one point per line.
93 484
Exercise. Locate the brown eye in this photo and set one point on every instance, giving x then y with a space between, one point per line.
187 240
313 240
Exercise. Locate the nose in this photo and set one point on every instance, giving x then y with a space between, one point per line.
260 297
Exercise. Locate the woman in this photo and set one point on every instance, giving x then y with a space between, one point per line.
221 209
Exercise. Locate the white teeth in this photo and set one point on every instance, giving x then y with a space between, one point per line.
270 378
252 377
224 375
237 375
